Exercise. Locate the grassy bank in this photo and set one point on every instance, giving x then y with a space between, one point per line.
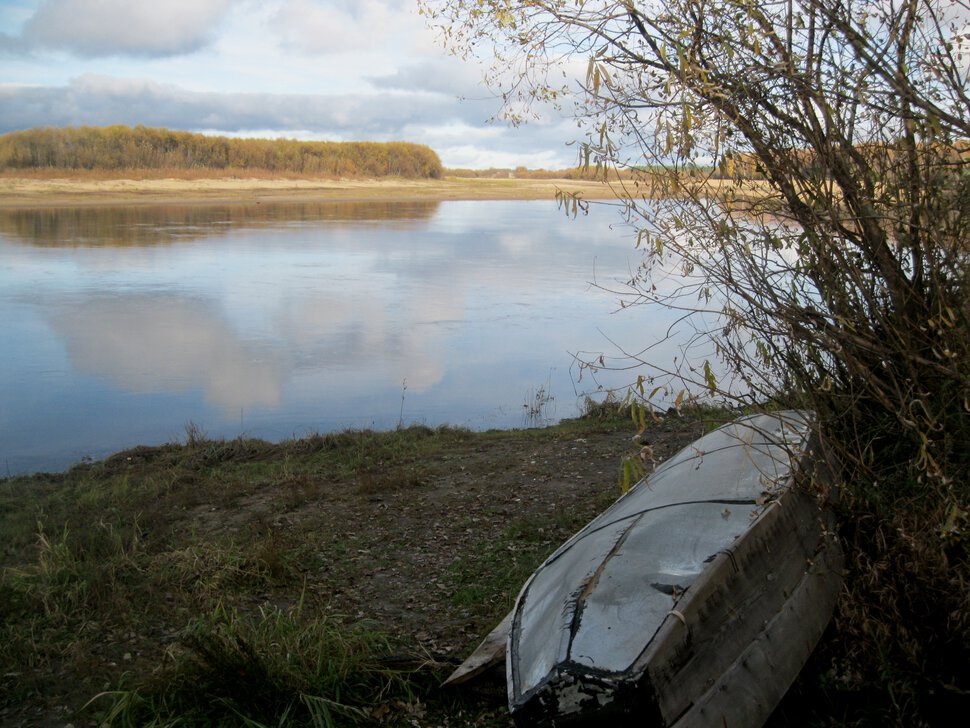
329 580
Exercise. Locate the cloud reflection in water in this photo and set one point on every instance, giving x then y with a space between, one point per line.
149 344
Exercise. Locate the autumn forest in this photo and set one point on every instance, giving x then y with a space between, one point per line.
122 147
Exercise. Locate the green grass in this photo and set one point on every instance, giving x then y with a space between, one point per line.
271 668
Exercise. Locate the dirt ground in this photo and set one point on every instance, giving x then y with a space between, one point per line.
410 535
394 545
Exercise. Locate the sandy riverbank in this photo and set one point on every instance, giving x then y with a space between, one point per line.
82 190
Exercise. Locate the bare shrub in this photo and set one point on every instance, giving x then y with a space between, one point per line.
801 192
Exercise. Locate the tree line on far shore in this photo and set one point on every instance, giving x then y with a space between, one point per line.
122 147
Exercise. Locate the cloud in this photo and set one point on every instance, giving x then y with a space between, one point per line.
12 45
453 79
539 145
102 100
341 26
100 28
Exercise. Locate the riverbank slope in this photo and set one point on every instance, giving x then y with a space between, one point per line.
344 573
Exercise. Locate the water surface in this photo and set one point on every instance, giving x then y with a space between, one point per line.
120 326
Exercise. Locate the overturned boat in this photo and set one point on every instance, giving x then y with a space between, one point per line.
694 600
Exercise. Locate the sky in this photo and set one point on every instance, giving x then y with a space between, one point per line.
341 70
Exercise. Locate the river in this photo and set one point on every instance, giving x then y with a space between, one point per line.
131 325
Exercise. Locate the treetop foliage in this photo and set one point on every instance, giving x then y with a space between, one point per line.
122 147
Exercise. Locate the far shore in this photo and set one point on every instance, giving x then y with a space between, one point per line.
61 190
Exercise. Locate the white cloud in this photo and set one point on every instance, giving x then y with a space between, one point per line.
467 156
469 144
99 28
341 26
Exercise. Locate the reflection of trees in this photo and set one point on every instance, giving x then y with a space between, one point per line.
124 226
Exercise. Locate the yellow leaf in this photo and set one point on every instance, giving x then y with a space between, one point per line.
709 377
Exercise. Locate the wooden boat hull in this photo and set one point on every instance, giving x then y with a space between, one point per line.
693 601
